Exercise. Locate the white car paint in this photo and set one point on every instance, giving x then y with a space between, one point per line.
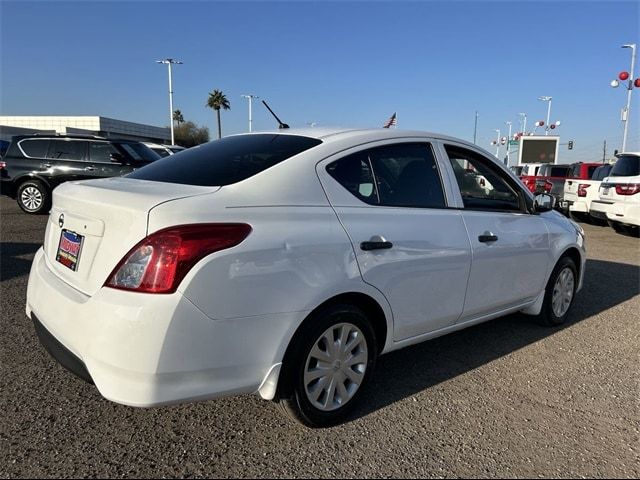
227 327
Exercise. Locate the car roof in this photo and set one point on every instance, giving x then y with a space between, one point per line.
334 134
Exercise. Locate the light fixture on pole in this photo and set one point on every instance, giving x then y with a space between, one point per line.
169 62
250 97
547 99
631 83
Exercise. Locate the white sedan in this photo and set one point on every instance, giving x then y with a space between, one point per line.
284 263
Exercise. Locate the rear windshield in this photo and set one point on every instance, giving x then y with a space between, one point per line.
551 171
626 166
226 161
601 172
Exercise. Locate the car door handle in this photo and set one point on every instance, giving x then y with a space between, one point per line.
47 165
90 168
376 242
487 237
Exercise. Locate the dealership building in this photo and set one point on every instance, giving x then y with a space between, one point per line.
82 125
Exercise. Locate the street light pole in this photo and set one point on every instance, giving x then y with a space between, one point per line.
169 62
508 140
250 97
475 129
523 122
547 99
629 90
497 143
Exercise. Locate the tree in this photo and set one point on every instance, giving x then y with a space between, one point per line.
188 134
177 117
217 100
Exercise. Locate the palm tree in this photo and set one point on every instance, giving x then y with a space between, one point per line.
218 100
177 117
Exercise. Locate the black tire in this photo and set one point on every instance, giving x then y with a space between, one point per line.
293 396
548 316
33 197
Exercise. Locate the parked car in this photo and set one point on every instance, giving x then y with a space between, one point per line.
212 273
550 179
164 150
620 194
579 189
528 174
35 164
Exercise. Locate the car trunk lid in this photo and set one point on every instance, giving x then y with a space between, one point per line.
93 224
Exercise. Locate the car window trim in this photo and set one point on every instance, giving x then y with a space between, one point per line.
30 139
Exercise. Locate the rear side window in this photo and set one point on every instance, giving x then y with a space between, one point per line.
35 148
137 152
403 175
626 166
601 172
559 171
101 152
67 150
226 161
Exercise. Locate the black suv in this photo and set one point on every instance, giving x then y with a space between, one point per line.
35 164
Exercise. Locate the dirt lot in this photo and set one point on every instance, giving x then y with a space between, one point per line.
506 398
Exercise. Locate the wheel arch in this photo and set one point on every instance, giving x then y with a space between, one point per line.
374 312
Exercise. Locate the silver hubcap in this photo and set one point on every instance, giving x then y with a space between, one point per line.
336 367
31 198
562 292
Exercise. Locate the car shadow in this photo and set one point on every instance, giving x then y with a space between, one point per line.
12 264
401 374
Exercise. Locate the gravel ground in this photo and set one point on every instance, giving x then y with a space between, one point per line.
507 398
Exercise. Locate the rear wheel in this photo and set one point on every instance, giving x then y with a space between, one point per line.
559 293
330 363
33 197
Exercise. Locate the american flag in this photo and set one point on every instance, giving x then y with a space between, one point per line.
392 121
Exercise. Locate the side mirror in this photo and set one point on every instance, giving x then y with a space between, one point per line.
544 202
116 158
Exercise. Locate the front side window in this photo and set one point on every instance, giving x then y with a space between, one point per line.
481 184
67 150
402 175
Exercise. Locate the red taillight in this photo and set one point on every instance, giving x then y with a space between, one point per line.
530 183
628 189
3 165
159 262
582 189
548 186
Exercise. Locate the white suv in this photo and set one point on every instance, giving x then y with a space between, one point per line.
620 193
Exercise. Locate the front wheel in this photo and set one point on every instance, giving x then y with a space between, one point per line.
333 359
559 293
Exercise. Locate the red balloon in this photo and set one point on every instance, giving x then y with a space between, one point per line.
541 123
636 83
623 76
552 126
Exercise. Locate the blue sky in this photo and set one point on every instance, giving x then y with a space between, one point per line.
337 64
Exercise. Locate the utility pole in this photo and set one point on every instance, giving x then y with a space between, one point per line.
604 152
508 140
475 129
168 62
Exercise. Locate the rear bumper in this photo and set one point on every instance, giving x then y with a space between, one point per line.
599 209
625 213
147 350
59 352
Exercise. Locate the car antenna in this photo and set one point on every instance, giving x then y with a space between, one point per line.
280 124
